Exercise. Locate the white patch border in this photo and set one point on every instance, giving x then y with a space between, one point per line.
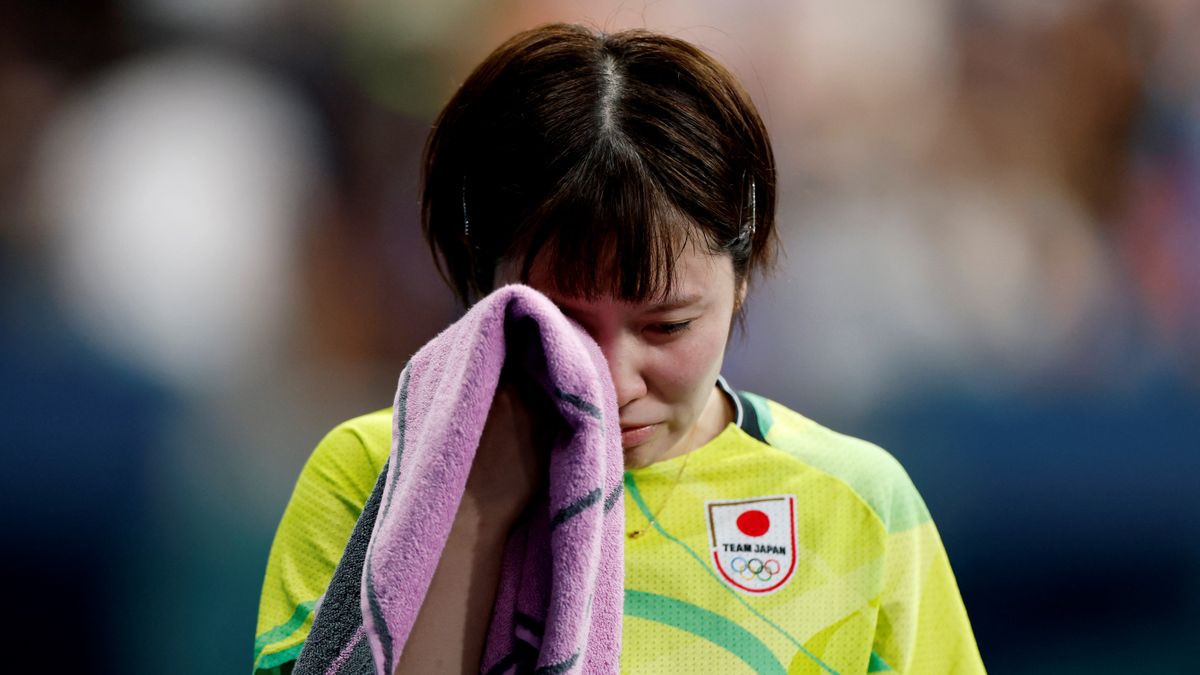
712 539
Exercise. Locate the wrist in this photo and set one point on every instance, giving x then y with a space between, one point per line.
485 511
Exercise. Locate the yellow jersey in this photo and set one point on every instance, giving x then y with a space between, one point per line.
780 546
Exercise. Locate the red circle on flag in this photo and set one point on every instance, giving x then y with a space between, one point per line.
753 523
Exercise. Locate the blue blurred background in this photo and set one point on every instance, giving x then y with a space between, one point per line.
209 255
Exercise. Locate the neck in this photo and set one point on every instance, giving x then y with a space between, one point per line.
717 414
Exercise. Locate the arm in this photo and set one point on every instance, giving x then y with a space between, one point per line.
451 627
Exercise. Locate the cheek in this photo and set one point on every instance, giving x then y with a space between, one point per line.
688 367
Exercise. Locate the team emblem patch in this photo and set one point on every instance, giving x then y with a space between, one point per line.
753 541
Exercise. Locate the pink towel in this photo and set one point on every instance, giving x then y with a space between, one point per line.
559 604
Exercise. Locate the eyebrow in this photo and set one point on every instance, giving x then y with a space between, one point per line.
671 303
676 302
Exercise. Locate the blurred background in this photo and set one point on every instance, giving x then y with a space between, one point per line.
209 255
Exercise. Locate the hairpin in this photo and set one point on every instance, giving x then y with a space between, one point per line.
753 210
746 234
466 221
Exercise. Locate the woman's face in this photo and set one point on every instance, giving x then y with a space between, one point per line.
664 356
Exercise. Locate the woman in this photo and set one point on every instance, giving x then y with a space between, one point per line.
630 179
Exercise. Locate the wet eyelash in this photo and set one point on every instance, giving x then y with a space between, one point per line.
672 328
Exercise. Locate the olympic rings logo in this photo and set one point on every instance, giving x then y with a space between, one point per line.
755 568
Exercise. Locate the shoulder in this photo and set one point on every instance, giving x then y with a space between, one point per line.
352 454
872 473
325 504
369 431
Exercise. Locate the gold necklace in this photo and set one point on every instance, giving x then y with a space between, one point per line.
654 516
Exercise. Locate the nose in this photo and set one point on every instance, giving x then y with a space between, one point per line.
625 367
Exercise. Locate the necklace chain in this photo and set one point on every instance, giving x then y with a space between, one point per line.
654 516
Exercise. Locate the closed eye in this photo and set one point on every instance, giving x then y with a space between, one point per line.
671 328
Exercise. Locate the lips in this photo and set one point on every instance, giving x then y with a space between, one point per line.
634 435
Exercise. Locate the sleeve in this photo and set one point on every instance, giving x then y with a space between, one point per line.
324 506
922 625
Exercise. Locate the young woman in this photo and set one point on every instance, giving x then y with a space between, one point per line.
629 178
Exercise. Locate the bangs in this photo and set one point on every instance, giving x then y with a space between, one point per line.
594 160
608 230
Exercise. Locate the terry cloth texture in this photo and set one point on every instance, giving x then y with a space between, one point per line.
559 603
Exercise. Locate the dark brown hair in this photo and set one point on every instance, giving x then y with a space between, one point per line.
606 152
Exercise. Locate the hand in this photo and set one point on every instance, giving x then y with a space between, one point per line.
510 464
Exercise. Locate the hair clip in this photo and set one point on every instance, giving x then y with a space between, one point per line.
746 234
466 221
753 210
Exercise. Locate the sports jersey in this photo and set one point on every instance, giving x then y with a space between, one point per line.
779 546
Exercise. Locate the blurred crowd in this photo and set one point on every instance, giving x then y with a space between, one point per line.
210 254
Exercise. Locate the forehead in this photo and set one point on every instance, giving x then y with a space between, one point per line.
696 275
626 245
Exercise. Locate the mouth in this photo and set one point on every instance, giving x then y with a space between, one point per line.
635 435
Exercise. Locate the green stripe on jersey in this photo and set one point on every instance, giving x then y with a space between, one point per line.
278 661
282 631
704 624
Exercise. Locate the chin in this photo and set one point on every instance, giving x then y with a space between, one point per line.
639 457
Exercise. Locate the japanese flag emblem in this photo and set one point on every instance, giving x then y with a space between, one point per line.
753 541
